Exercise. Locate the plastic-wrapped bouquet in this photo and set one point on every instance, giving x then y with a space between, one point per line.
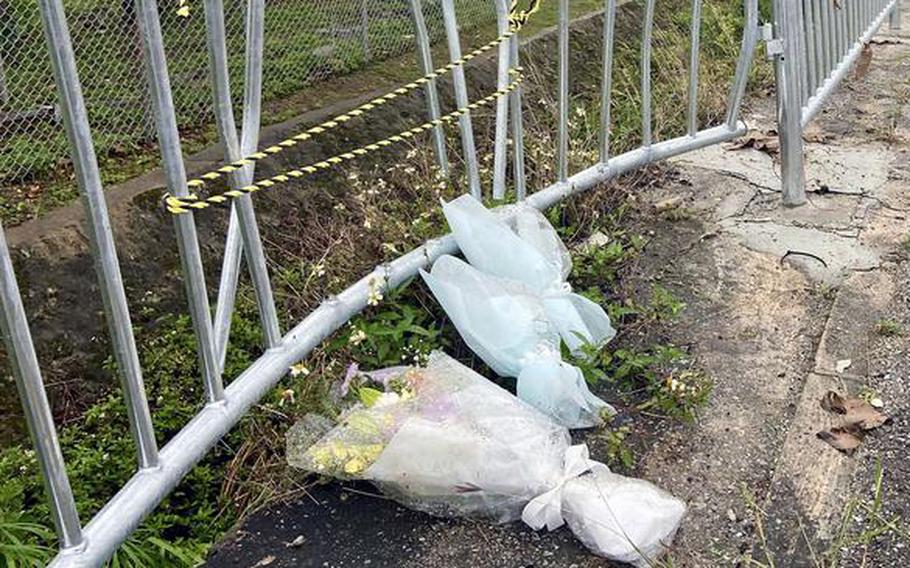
444 440
513 307
528 250
507 326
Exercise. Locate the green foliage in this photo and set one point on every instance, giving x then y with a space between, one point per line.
395 332
618 449
889 328
100 457
664 304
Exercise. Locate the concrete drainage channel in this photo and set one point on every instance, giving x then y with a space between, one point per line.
784 305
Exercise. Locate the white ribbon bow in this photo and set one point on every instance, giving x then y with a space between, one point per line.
546 509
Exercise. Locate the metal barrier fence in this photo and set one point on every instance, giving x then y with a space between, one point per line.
159 470
815 44
308 41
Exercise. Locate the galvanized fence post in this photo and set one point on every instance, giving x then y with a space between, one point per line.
606 86
461 98
224 114
895 22
21 352
432 94
175 175
789 108
562 142
104 252
500 146
518 135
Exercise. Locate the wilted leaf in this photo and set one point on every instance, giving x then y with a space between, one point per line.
863 62
845 439
265 561
765 141
855 410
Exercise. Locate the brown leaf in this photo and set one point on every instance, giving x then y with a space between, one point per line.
855 410
766 141
845 439
863 63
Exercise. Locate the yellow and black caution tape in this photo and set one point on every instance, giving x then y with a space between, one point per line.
178 205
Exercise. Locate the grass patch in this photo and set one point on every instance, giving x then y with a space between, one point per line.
889 328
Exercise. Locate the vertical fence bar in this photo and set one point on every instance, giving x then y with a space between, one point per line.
500 147
824 40
818 44
789 112
744 63
800 29
104 252
461 97
227 290
694 40
647 32
895 22
562 145
854 12
175 175
518 135
842 36
224 118
606 90
831 35
24 363
812 60
426 63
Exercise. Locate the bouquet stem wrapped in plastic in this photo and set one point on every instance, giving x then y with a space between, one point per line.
446 441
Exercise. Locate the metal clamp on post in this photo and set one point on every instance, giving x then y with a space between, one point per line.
774 46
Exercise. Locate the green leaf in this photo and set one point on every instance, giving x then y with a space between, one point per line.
368 396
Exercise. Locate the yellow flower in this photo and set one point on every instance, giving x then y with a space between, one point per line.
183 11
354 466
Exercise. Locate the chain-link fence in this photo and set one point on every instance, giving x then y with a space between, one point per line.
305 41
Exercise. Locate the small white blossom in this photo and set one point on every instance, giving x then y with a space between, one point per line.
375 294
299 370
357 337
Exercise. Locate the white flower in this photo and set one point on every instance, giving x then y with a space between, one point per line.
319 269
287 395
387 399
299 369
374 296
357 337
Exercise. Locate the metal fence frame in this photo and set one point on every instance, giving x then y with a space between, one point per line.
814 44
159 470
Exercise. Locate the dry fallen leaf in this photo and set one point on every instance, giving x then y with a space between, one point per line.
845 439
855 410
765 141
842 365
265 561
863 62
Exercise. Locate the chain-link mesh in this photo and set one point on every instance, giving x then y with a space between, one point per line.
305 41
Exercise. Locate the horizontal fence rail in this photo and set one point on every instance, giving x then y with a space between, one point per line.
815 44
160 470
